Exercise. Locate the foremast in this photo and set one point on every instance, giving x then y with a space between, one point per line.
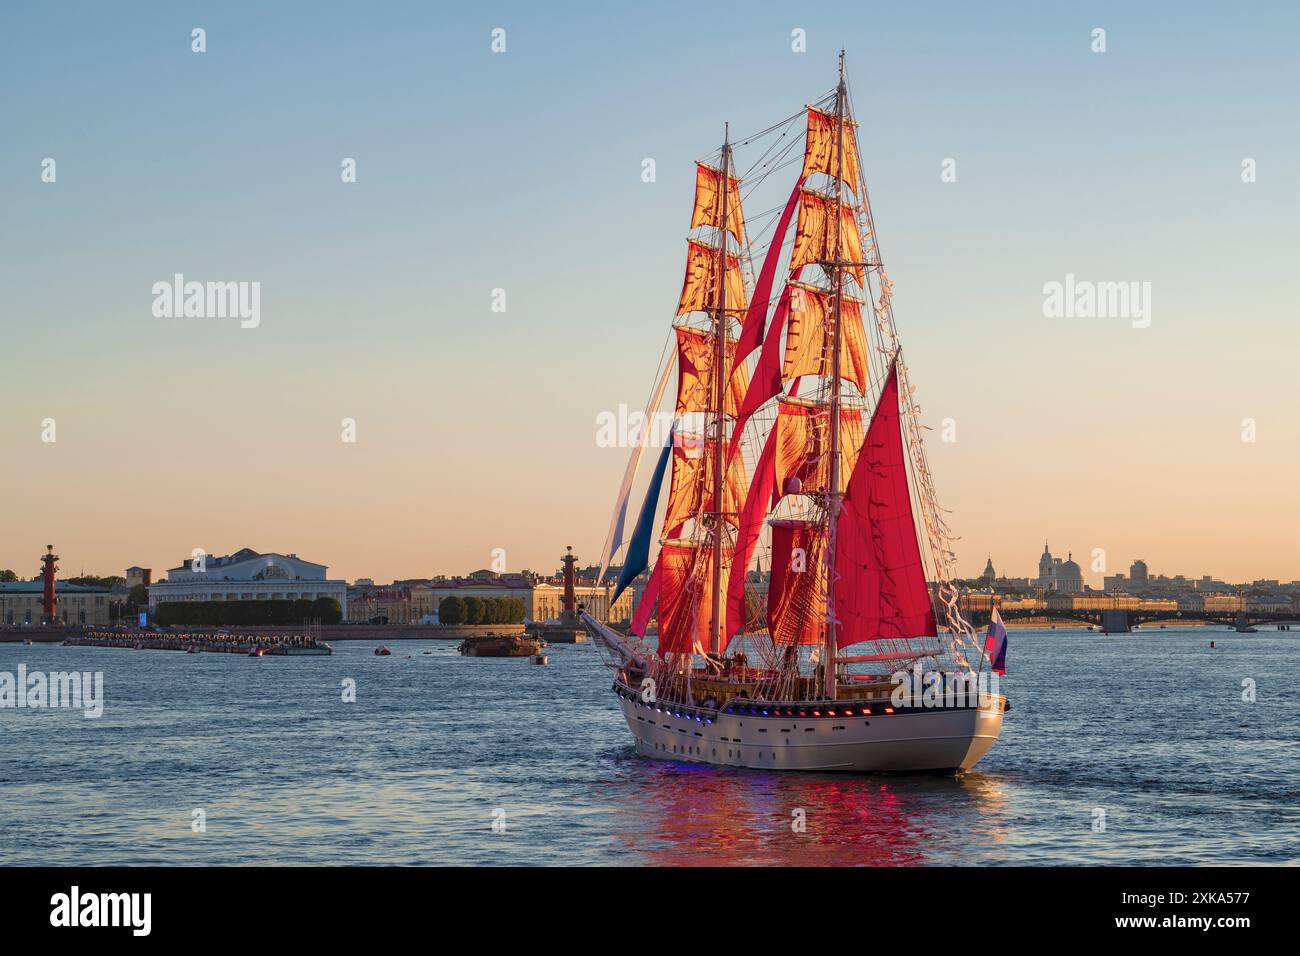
718 405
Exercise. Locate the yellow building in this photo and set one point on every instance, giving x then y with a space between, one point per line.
543 600
21 602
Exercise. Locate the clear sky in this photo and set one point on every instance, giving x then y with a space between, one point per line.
521 171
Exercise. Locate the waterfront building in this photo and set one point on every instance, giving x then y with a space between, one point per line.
21 602
248 575
1269 603
413 602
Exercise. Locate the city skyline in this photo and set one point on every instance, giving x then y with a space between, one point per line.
376 301
545 569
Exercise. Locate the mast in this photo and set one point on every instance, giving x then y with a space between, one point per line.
718 615
833 512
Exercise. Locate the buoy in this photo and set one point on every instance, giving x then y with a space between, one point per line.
1211 643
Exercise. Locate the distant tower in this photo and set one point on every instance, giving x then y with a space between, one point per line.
989 574
570 579
48 567
1138 573
1046 568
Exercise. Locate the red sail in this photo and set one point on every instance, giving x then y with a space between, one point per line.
752 514
685 598
751 332
766 383
796 603
881 591
647 604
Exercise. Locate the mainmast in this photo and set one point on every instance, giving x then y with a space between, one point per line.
719 399
834 500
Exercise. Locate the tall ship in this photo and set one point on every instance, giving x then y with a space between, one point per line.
803 580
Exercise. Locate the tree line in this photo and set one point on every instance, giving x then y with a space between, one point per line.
476 610
302 611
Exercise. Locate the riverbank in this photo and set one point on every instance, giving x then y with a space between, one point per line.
327 632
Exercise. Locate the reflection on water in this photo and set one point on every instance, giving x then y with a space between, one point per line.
693 814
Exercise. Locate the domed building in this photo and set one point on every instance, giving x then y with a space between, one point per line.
1069 577
989 574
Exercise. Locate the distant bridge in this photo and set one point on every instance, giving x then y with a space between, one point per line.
1121 620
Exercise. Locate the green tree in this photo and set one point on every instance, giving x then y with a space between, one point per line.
300 611
473 610
327 610
7 576
451 610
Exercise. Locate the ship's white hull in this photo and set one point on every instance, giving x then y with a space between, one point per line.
948 740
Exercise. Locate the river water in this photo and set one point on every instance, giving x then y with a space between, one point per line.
1123 749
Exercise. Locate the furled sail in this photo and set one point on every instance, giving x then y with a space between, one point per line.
814 237
694 358
820 148
803 445
700 288
880 588
708 204
796 599
808 326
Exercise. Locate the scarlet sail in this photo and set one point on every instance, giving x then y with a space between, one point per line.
685 597
796 600
809 325
803 445
880 591
694 359
692 475
822 147
700 288
708 202
814 237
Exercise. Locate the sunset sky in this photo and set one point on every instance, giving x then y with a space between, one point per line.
522 171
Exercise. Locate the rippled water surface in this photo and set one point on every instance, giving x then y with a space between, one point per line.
1149 728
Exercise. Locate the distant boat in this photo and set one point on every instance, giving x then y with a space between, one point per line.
509 645
255 652
382 652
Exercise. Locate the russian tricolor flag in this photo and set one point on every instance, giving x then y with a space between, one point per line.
995 644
